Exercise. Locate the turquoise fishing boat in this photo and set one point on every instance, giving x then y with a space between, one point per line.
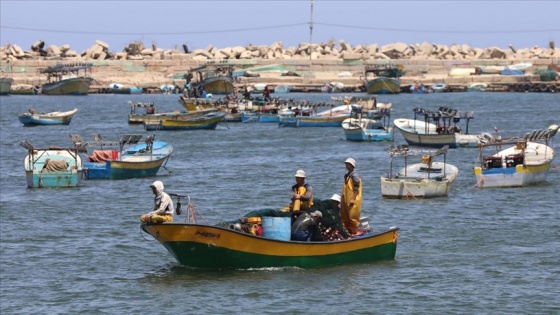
52 167
131 160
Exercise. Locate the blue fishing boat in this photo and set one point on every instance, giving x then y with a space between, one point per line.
31 118
131 160
52 167
362 129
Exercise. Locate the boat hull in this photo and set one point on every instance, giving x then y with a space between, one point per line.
28 119
312 121
211 247
383 85
363 130
413 181
218 85
249 117
417 133
423 188
530 171
38 176
72 86
5 85
132 164
206 122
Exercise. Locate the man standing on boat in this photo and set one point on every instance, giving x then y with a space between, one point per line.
351 199
163 206
302 194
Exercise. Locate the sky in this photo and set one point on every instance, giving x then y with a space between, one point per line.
199 24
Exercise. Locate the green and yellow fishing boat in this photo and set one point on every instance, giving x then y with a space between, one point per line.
204 246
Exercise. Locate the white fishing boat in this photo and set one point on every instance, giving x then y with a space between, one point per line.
426 179
439 128
525 161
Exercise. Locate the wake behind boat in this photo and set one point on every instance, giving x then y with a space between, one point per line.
237 244
31 118
439 128
525 161
419 180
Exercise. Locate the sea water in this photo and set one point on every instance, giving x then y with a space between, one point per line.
80 250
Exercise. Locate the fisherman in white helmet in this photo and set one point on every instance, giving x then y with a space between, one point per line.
351 197
302 194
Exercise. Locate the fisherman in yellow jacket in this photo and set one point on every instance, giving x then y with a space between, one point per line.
351 199
302 194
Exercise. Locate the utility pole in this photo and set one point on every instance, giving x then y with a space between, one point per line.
310 34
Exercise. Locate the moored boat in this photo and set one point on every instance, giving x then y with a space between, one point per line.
359 128
426 179
31 118
385 79
52 167
208 121
149 114
67 79
526 160
439 128
131 160
5 81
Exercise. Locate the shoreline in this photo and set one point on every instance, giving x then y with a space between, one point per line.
150 68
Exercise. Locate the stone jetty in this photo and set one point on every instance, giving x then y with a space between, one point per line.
305 67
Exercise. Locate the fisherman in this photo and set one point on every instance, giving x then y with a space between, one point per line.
302 194
163 206
305 225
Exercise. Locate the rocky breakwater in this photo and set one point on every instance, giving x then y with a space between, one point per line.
304 65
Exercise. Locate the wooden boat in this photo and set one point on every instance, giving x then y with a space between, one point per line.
385 79
525 161
461 72
131 160
312 121
490 69
214 79
66 79
438 87
225 246
5 85
419 180
439 128
5 81
150 115
282 89
477 87
52 167
419 89
53 118
208 121
25 89
360 129
121 89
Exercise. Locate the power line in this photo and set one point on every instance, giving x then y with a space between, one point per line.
385 29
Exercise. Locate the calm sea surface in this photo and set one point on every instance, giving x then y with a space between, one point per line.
69 251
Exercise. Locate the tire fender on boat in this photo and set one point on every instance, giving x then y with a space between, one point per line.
526 87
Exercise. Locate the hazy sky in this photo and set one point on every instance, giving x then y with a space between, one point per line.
197 24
